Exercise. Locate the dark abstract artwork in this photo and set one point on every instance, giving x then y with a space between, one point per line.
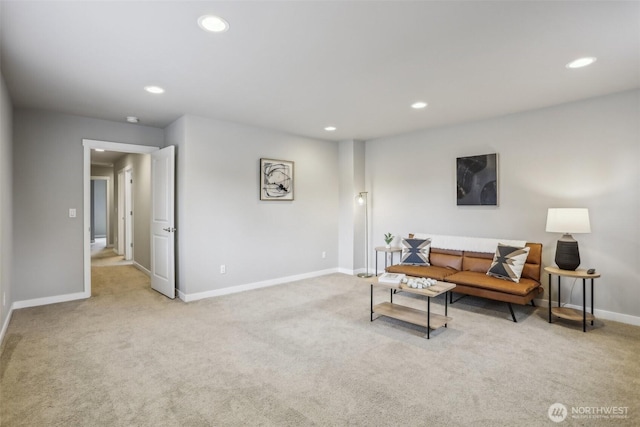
276 179
477 180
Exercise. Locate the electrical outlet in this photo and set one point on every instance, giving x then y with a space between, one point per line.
72 213
324 254
223 269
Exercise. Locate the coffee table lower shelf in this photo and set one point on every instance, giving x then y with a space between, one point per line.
411 315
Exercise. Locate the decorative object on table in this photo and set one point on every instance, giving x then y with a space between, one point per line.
508 262
568 221
419 282
361 198
477 180
276 180
392 278
415 251
388 238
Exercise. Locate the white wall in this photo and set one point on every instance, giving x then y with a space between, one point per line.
176 134
48 180
583 154
6 200
107 171
221 219
99 207
141 195
351 222
580 154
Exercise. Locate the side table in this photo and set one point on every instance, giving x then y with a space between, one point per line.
385 250
570 313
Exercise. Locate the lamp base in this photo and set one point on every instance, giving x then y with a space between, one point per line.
364 275
567 254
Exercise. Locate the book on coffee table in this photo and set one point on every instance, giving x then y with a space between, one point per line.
391 278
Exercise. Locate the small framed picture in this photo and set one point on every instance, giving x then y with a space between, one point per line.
276 180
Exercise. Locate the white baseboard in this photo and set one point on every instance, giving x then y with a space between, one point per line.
37 302
141 268
5 325
347 271
600 314
251 286
49 300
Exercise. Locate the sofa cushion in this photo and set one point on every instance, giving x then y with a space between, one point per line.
481 280
446 258
532 268
415 251
508 262
430 271
477 261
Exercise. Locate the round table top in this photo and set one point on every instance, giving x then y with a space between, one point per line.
386 249
579 273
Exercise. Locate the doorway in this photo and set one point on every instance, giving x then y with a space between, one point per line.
103 252
100 190
127 175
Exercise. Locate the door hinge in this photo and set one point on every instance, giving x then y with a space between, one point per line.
131 244
131 213
131 181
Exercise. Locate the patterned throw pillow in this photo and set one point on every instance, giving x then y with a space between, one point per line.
508 262
415 251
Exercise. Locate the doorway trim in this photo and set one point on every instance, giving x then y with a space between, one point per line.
128 213
88 145
120 240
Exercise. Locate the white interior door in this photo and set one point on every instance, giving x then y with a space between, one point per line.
128 214
162 221
120 211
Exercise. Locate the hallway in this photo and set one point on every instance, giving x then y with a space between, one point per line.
103 256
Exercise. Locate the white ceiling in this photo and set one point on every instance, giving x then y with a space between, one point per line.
105 158
298 66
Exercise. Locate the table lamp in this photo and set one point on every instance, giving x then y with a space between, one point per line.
567 221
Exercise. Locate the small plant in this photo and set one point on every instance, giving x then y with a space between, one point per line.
388 238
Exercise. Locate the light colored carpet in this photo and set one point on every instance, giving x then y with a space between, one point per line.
103 256
303 353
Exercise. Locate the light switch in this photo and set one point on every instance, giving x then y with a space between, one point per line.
72 213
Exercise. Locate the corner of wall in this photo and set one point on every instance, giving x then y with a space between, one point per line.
6 205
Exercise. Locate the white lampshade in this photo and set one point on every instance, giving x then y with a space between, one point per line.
568 220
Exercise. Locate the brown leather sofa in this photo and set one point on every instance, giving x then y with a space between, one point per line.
468 270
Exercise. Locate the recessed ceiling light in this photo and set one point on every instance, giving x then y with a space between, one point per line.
132 119
581 62
418 105
330 128
213 23
98 149
154 89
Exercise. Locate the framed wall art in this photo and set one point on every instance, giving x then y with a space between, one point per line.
477 180
276 180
